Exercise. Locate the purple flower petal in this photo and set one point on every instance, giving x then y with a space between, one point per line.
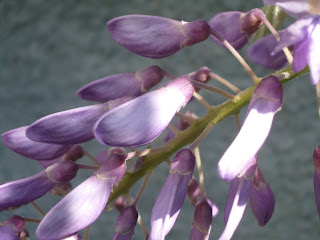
126 223
71 126
261 199
314 53
260 53
121 85
202 221
11 228
172 195
156 37
17 141
142 119
83 205
265 102
23 191
299 55
295 33
228 24
295 8
238 195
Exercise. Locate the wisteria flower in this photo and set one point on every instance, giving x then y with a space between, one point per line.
303 35
23 191
261 199
142 119
122 85
71 126
126 223
83 205
265 102
11 228
260 52
236 27
238 195
169 202
156 37
17 141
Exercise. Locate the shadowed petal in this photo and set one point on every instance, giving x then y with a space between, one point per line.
202 221
260 53
169 201
23 191
126 223
83 205
17 141
228 24
265 102
295 33
156 37
142 119
121 85
11 228
71 126
300 56
261 199
238 195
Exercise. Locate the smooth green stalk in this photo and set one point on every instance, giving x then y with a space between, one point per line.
214 116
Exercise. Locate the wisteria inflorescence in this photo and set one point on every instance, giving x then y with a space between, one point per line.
131 110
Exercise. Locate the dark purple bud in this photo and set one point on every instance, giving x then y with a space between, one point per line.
17 141
156 37
142 119
238 195
202 221
23 191
172 195
251 21
236 27
121 85
11 228
261 199
84 204
201 75
71 126
316 177
194 194
260 53
104 155
126 223
74 153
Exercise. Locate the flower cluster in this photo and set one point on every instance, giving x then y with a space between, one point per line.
132 111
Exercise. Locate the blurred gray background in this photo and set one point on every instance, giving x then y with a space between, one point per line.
50 49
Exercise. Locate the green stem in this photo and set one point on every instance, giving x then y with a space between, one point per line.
214 116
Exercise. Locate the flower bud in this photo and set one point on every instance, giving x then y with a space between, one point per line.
126 223
172 195
18 142
83 205
122 85
261 199
11 228
202 221
141 120
236 27
60 127
156 37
